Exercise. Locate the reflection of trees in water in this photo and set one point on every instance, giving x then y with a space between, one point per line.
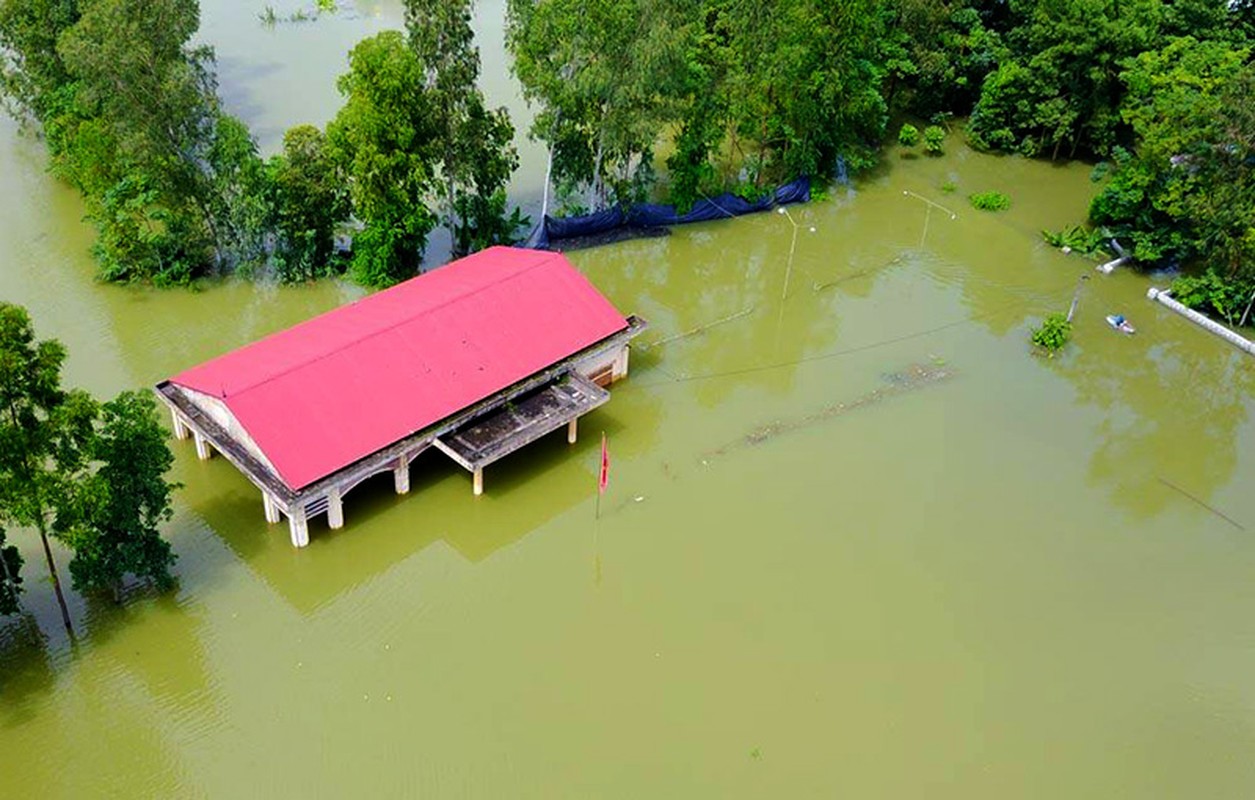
699 276
1171 413
26 671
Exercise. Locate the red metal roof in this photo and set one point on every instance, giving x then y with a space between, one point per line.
329 391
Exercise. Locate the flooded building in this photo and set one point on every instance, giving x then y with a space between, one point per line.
476 359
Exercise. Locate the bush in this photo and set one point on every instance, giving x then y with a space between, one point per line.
908 136
1053 334
989 201
934 137
1077 238
1211 294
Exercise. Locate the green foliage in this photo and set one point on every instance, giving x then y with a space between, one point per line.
386 137
1053 334
908 135
989 201
1187 193
936 54
1077 238
111 521
752 92
132 121
310 198
949 187
475 150
91 475
934 140
10 577
1215 294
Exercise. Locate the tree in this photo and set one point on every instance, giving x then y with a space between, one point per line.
111 519
310 200
476 151
908 135
44 433
1187 193
605 74
387 140
31 70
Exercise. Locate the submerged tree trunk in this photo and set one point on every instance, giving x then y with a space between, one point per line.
56 581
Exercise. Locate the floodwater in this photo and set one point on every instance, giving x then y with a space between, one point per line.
857 543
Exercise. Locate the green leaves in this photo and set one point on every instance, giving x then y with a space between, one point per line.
91 475
1053 334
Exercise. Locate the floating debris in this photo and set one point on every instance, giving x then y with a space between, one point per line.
916 376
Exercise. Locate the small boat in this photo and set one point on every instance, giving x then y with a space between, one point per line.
1121 324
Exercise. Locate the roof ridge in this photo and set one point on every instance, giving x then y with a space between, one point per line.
522 270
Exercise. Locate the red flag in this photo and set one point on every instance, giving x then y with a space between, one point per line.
604 477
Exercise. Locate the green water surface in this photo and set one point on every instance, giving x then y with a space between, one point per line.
1031 578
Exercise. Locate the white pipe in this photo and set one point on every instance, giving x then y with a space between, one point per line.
1161 296
1110 265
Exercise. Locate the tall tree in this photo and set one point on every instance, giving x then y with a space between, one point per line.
31 70
44 433
388 139
111 519
605 74
310 200
476 153
1188 191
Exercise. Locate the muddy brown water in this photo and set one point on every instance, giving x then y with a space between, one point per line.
1007 583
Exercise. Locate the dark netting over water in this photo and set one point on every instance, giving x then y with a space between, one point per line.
649 219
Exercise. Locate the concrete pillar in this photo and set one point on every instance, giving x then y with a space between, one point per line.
572 430
478 481
181 430
620 368
335 509
271 507
401 475
299 526
203 450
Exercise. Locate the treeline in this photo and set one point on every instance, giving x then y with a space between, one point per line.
743 94
90 474
175 186
723 94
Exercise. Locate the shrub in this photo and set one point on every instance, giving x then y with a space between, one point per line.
989 201
1075 238
1212 294
1053 334
908 136
949 187
934 137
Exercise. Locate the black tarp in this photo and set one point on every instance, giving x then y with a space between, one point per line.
553 230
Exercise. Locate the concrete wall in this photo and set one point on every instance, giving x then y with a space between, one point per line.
222 415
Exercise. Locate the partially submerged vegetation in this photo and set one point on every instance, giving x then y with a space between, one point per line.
1053 334
989 201
738 95
89 474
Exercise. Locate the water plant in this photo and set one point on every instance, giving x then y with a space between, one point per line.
1078 238
934 138
1053 334
989 201
908 136
949 187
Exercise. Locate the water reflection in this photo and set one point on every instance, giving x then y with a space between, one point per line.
523 492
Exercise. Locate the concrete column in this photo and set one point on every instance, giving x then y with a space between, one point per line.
335 509
299 526
478 482
572 430
401 475
203 450
620 368
180 429
271 507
